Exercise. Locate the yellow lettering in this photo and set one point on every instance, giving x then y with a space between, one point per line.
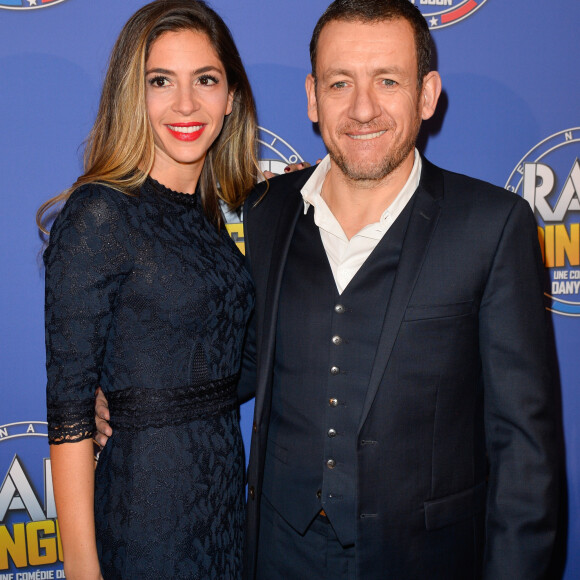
541 237
41 550
567 246
549 251
236 232
59 542
15 547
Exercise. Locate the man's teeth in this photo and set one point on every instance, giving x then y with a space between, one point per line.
368 135
191 129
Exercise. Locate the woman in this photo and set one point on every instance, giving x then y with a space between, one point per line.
147 296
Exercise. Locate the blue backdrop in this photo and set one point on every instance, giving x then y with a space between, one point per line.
509 114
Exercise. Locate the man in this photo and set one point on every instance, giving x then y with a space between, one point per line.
404 427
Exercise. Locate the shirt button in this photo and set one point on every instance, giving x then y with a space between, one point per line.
339 309
332 433
333 402
331 464
334 370
336 340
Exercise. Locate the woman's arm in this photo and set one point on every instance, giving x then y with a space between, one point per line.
73 477
86 260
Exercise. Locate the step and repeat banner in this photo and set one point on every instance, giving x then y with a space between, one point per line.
509 114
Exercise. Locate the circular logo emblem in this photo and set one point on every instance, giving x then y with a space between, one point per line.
275 153
27 4
442 13
548 178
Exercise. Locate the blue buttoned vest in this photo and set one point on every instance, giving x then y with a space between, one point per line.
325 347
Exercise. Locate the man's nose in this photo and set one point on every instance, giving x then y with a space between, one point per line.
365 105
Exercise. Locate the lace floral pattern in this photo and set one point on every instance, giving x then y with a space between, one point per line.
140 408
145 298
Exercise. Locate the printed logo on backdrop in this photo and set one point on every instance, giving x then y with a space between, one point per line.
441 13
548 178
275 154
27 4
30 546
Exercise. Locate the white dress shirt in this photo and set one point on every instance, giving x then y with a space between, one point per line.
347 256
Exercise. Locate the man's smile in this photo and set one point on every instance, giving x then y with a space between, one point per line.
366 136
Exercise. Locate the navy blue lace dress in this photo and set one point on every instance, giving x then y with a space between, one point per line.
145 298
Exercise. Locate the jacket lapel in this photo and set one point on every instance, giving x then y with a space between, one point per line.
422 223
273 220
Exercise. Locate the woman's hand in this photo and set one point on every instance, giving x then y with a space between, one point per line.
291 168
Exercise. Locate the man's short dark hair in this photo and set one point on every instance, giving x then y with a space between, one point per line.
372 11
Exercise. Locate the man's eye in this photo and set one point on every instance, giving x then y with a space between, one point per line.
208 80
389 82
158 82
339 85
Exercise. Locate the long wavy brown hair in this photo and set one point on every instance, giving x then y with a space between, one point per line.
119 150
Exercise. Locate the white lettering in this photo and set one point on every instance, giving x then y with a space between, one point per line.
49 504
539 183
565 287
3 432
560 275
574 274
30 429
16 493
438 2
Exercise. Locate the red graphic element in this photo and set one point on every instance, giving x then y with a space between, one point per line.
459 13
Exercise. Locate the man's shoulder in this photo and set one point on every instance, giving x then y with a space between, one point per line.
460 188
269 194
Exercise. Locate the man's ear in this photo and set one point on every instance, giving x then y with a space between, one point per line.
311 96
429 96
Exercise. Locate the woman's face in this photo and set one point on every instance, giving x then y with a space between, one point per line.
187 99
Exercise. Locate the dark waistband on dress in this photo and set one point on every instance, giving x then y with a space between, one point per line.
138 408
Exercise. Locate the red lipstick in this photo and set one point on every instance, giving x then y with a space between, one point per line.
186 131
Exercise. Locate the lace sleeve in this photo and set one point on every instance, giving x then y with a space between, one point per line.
86 259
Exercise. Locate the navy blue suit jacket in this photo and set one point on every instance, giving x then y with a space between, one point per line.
461 481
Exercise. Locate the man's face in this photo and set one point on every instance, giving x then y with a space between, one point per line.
366 100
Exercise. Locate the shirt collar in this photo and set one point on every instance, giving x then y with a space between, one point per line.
311 191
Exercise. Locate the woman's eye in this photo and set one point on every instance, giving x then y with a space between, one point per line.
208 80
158 82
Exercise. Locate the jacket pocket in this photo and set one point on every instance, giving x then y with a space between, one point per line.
439 310
454 508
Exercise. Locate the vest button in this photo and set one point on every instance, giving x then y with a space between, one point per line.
331 464
319 493
332 433
333 402
334 370
254 427
336 340
339 309
252 492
